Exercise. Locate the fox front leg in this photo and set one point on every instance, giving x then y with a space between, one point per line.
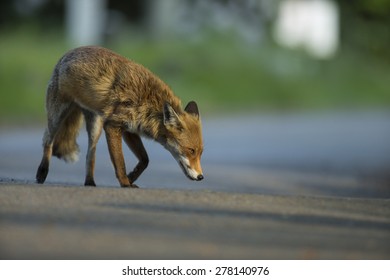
114 142
136 146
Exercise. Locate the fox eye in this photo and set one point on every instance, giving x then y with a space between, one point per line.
192 151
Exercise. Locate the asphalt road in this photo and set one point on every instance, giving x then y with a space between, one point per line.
285 186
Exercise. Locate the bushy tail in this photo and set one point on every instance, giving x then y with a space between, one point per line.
65 146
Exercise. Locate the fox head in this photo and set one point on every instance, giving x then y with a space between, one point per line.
184 138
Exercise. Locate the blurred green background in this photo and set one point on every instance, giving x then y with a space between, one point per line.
221 53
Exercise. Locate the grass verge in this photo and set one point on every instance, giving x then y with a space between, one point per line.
219 72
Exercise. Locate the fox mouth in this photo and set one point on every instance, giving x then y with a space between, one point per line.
183 167
187 171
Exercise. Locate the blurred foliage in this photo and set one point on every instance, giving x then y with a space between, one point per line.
26 60
365 26
220 71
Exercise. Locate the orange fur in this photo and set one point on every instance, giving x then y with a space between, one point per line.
126 100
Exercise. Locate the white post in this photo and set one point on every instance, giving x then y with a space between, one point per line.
85 20
313 25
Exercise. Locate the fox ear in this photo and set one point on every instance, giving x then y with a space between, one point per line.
192 108
170 116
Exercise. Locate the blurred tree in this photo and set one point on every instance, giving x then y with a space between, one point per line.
365 26
134 11
46 14
364 23
7 13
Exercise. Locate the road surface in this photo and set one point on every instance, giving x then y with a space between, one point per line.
283 186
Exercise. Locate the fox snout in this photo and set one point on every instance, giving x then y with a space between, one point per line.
192 171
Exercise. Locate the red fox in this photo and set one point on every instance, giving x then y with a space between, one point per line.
125 99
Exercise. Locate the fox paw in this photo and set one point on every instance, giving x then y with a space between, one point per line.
133 186
90 184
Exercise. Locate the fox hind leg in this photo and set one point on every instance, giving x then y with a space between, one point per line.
55 118
94 124
43 168
135 144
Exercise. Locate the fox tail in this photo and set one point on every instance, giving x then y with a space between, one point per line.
65 146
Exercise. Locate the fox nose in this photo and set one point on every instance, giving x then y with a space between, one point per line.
200 177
